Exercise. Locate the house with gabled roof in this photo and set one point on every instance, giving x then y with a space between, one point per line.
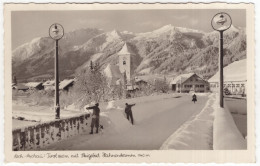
35 85
112 74
21 87
66 84
49 85
190 82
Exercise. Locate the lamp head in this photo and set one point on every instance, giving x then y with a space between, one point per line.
56 31
221 21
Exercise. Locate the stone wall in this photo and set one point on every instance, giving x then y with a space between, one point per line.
44 134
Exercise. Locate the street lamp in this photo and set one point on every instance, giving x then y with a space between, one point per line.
221 22
56 32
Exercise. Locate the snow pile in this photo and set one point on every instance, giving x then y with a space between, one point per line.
226 135
195 134
111 105
71 107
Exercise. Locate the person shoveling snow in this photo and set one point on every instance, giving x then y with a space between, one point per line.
95 118
128 112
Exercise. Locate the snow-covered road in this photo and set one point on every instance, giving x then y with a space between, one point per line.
155 121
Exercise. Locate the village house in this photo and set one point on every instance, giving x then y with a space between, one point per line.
113 74
234 78
66 84
35 85
63 85
140 82
49 85
190 82
21 87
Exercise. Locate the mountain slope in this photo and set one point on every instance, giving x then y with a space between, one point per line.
167 50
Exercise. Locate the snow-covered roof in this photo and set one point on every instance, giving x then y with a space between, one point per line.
137 79
22 86
33 84
48 83
131 87
235 71
125 50
112 72
63 84
181 78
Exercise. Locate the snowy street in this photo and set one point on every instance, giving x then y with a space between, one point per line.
155 118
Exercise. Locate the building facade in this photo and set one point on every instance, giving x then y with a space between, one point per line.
230 87
234 79
189 83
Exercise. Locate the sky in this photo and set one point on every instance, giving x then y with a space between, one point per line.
27 25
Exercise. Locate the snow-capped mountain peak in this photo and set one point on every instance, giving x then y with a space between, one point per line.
187 30
163 50
165 28
113 35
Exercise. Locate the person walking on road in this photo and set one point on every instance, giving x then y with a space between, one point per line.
128 111
95 118
194 98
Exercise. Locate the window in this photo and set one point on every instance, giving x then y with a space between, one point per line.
124 62
202 86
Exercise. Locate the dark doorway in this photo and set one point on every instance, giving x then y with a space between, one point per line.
173 87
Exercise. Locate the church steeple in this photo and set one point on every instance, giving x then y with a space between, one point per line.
125 50
125 63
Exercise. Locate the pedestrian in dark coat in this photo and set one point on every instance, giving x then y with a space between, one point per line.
128 111
194 98
95 117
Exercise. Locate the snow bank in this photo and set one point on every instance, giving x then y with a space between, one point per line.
226 135
195 134
39 113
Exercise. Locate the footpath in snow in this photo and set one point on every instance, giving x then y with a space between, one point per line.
195 134
155 119
213 128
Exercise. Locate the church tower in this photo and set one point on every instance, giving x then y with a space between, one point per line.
125 62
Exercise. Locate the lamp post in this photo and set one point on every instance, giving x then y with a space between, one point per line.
56 32
221 22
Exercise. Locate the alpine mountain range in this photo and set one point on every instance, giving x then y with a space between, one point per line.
168 50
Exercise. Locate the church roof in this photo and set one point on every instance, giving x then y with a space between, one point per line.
125 50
